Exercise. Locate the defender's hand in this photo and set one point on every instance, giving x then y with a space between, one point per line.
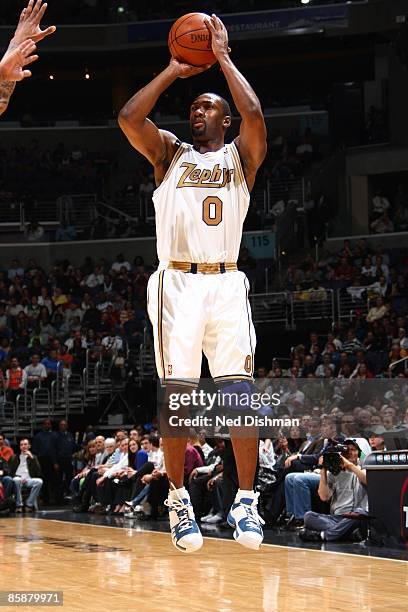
219 36
13 63
184 71
29 23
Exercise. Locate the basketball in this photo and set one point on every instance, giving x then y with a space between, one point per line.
190 40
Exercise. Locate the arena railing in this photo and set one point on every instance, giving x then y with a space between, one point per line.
312 304
286 190
271 308
403 360
349 302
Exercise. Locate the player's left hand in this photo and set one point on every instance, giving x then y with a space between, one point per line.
13 63
29 23
184 71
219 36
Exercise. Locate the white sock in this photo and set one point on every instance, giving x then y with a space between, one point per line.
242 493
178 493
322 535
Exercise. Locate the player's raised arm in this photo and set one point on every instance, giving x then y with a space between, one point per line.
251 141
12 69
158 146
29 25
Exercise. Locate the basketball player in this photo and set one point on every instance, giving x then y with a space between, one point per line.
19 53
198 300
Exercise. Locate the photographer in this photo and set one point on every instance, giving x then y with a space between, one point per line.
346 492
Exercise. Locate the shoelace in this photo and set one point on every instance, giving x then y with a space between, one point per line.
252 516
181 509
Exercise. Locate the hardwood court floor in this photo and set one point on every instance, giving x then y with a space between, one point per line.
104 568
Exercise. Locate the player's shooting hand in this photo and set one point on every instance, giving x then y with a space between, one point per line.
219 36
14 61
184 71
29 23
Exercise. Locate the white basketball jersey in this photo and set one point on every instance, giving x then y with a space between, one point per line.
201 206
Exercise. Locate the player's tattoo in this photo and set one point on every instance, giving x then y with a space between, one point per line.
6 90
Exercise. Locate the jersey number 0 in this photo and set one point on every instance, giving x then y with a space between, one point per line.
212 210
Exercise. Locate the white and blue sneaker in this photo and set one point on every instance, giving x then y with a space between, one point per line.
185 533
245 520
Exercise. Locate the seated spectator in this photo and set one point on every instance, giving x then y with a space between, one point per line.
52 365
6 452
362 372
104 483
401 219
380 203
376 441
377 312
89 460
65 232
6 481
202 483
34 232
121 263
35 372
59 298
26 473
16 379
88 492
383 225
205 447
352 343
347 492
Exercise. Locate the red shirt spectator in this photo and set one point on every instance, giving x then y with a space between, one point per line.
5 451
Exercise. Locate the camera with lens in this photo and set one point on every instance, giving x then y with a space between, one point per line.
332 457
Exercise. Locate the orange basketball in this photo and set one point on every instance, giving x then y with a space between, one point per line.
190 40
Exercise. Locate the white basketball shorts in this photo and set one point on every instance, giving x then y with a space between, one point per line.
195 313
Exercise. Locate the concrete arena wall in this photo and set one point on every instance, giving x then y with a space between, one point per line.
47 253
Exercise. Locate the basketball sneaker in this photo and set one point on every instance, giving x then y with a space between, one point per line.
185 534
245 520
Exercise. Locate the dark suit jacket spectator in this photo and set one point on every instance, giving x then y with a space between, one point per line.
33 466
43 444
63 446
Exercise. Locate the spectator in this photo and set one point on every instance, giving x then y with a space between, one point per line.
52 365
36 372
380 203
6 452
121 263
347 493
42 448
16 379
34 232
62 449
65 232
377 312
382 225
26 473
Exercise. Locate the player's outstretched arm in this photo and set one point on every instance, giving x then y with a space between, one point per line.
157 145
251 141
29 25
12 69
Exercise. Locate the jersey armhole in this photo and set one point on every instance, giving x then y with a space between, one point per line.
176 157
239 168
